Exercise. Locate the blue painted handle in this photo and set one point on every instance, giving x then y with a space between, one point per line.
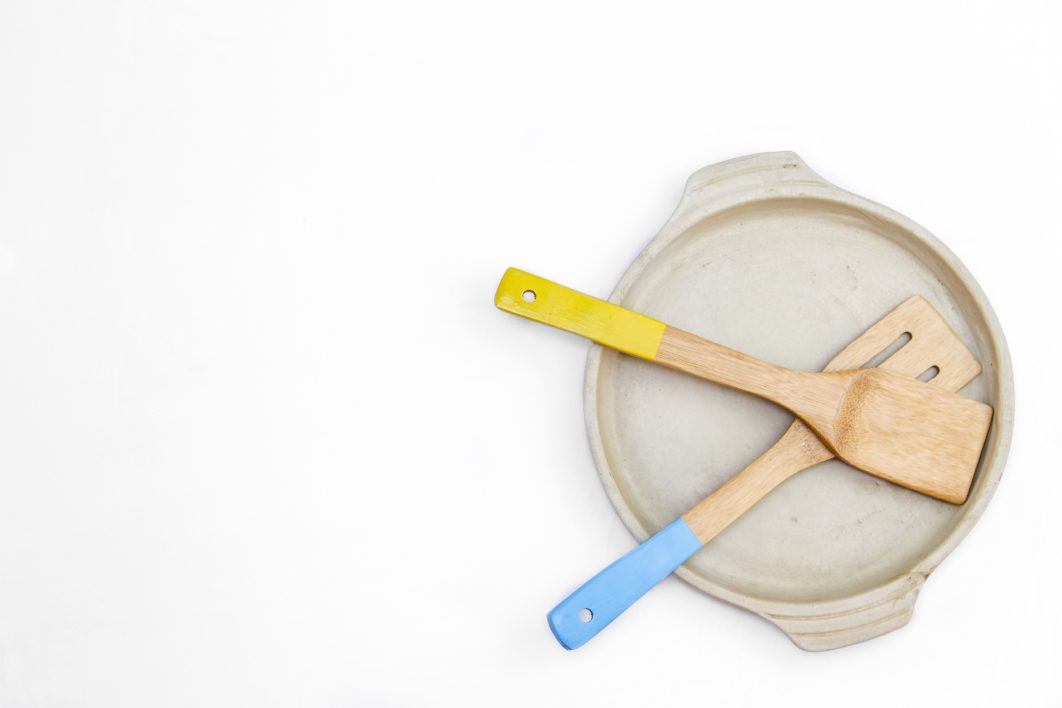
605 596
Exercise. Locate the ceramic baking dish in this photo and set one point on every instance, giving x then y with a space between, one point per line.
765 256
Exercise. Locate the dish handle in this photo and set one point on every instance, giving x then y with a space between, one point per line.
710 187
881 614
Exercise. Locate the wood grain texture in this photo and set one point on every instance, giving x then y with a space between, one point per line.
797 450
932 343
908 433
893 427
815 397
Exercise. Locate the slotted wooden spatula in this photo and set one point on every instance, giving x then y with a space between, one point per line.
897 428
931 343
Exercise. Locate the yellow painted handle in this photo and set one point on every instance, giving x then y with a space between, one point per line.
544 301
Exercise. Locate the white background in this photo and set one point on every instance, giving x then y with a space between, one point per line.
264 439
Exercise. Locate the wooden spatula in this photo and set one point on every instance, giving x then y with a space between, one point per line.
900 429
931 343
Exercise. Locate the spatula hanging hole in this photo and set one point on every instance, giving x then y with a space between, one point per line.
585 615
530 296
888 351
929 373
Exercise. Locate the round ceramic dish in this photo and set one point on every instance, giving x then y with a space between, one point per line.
765 256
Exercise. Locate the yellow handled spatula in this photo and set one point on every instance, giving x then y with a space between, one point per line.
900 429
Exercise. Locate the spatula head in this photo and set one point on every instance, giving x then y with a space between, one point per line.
931 342
911 433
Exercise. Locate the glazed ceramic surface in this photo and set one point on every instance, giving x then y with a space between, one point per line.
765 256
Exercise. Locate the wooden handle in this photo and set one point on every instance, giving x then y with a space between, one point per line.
542 300
705 359
797 450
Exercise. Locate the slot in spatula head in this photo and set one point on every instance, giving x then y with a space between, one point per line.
931 343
